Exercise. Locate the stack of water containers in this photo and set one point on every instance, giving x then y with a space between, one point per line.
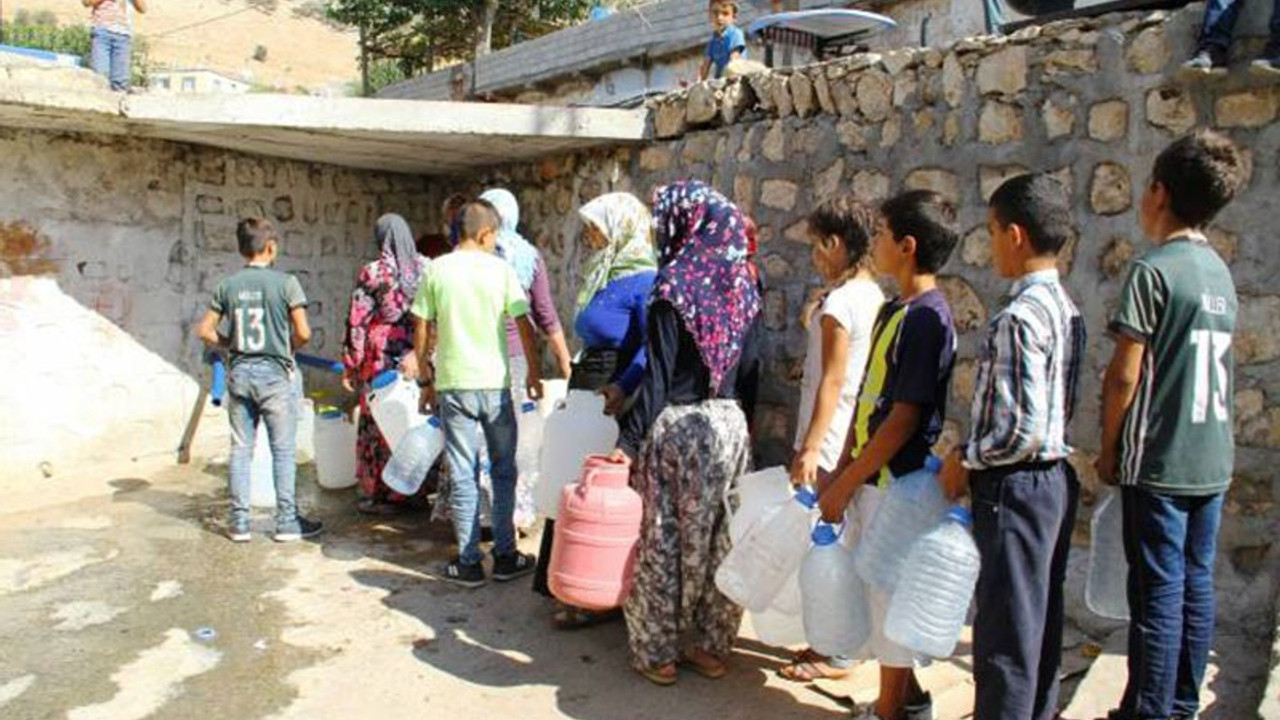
570 434
756 496
1104 589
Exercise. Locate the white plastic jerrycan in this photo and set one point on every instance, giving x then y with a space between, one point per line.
306 444
1105 588
913 504
928 608
413 457
529 431
335 450
757 494
755 569
571 433
393 402
836 618
782 624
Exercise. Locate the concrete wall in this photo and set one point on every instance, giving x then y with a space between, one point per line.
123 240
1093 101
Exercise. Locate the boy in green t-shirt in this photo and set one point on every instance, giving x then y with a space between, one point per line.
460 313
1166 423
266 313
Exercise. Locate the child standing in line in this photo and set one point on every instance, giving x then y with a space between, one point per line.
901 406
1166 423
267 314
839 324
460 310
727 41
1014 461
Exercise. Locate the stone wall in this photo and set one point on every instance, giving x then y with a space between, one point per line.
113 248
1090 100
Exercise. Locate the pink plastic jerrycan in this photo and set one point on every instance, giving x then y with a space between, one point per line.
596 537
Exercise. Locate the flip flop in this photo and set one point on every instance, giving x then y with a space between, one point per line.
657 677
710 672
812 669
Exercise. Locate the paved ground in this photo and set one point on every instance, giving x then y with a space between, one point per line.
102 603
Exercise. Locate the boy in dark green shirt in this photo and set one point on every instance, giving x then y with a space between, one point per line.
1166 432
266 316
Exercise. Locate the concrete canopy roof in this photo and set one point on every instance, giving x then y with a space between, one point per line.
431 138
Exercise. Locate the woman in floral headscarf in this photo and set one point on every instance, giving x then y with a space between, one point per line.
612 302
687 431
380 337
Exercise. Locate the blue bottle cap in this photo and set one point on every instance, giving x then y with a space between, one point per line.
433 421
806 497
331 414
383 379
825 534
528 406
933 464
961 514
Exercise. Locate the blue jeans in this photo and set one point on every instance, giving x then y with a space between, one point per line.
464 415
110 54
1170 542
1220 18
261 390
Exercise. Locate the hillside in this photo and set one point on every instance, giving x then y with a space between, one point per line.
223 35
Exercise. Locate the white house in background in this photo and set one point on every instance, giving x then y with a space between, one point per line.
194 80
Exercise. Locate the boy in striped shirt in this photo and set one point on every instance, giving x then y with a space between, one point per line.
1015 460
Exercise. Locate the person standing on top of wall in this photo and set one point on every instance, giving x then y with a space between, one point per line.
727 41
1214 44
112 39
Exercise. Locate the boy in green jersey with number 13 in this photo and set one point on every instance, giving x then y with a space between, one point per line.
1166 426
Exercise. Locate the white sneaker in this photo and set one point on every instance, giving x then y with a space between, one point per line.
922 710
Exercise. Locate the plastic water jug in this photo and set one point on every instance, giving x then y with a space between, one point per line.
553 395
836 618
757 494
597 533
755 570
393 401
571 433
928 608
1105 589
335 450
306 444
262 477
912 505
529 427
413 457
782 624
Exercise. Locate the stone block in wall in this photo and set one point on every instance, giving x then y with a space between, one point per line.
1109 120
1114 261
802 97
1110 190
779 194
701 106
1256 425
1249 109
744 190
773 147
209 204
964 376
669 119
953 80
966 307
870 186
250 207
797 232
762 86
782 98
1070 62
1258 329
777 313
211 169
776 268
298 244
951 129
975 248
991 177
999 123
942 181
822 90
891 132
1149 52
698 148
895 61
282 209
844 97
1171 108
1003 72
1225 242
655 157
905 85
736 99
923 121
827 182
851 135
875 95
1059 119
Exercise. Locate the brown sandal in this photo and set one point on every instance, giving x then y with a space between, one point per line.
710 667
659 675
808 666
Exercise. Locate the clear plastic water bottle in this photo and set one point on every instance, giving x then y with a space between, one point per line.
413 457
836 618
1105 589
529 424
755 570
928 608
912 505
782 624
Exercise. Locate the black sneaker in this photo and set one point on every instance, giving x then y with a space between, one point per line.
238 530
297 530
468 576
1204 63
510 567
1268 64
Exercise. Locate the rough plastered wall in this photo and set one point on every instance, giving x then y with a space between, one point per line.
1092 101
117 246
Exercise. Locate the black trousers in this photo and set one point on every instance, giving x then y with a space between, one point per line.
594 370
1022 520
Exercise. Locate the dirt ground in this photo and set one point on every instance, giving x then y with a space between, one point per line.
129 605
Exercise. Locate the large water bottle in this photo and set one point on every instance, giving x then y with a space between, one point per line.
912 505
529 426
836 619
335 450
393 402
928 608
1105 589
306 443
757 494
413 457
772 551
782 624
